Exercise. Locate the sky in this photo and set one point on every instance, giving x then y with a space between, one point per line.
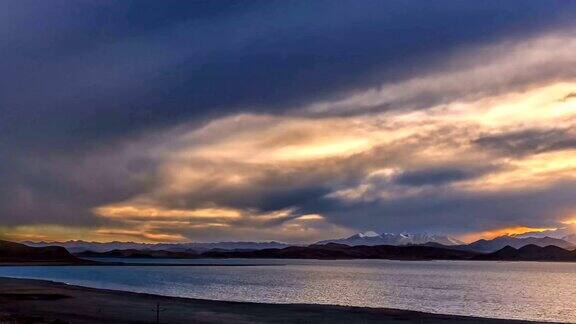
296 121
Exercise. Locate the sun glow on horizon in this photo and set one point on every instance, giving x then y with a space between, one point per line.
506 231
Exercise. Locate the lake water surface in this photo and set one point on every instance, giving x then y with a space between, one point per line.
522 290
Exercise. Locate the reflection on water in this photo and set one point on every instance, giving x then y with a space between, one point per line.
527 290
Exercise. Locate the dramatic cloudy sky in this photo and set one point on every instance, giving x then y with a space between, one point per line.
287 120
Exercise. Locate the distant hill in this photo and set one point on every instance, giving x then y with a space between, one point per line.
341 251
498 243
15 253
367 245
529 253
367 238
570 238
142 254
82 246
372 238
11 252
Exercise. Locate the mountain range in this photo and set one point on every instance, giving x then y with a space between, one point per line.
483 246
15 253
372 238
329 251
341 251
515 242
369 238
366 238
192 247
529 252
139 254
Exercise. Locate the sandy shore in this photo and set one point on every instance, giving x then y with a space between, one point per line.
36 301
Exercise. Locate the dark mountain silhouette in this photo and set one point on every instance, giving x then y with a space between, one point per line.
529 253
144 254
82 246
489 246
334 251
515 242
367 238
11 252
341 251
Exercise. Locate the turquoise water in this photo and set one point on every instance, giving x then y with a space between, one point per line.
522 290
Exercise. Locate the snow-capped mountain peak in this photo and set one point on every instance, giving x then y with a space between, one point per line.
368 234
373 238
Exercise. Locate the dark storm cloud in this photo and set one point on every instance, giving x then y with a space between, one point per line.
77 71
437 176
529 141
457 212
62 190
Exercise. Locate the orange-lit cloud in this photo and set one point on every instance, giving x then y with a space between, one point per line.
490 234
141 235
311 217
51 233
128 211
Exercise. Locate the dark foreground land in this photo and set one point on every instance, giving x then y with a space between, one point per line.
34 301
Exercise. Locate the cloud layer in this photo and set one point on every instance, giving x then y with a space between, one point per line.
285 120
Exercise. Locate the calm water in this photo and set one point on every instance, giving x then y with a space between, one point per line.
528 290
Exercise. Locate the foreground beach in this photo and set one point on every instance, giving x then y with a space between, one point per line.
36 301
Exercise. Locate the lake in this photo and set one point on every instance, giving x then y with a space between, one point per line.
521 290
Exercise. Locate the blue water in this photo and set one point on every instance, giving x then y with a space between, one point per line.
522 290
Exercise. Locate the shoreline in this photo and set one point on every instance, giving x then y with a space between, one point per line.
128 264
42 301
